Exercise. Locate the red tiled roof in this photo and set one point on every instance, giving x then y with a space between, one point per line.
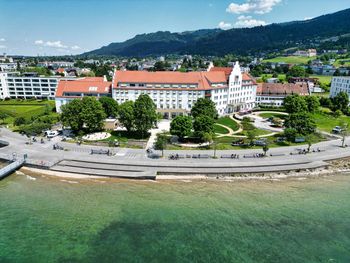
226 70
247 76
279 89
202 79
83 86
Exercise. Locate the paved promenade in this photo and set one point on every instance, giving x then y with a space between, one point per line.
133 163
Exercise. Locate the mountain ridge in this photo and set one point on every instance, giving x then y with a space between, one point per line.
236 40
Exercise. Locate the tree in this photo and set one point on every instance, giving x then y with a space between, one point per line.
19 121
181 126
126 115
145 114
313 103
303 123
3 116
340 101
294 104
204 107
309 141
203 124
296 71
160 143
251 135
70 115
92 114
208 137
110 106
265 149
290 134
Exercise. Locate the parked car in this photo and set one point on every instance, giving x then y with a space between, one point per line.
260 142
337 129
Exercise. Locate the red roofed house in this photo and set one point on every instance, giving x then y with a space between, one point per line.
273 94
68 90
175 93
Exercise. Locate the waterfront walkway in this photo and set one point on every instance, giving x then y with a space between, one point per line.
134 163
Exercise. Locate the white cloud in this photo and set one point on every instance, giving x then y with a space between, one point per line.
2 39
39 42
55 44
225 26
248 21
252 6
308 18
75 47
2 46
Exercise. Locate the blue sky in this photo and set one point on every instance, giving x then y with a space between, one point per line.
57 27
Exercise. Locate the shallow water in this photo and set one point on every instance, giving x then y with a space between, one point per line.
69 220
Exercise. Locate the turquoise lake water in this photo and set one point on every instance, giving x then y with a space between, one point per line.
69 220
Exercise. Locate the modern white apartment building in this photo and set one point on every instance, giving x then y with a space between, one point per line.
175 93
340 84
16 86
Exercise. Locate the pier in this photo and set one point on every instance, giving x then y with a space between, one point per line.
10 168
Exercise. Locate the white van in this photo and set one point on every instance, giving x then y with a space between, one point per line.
51 134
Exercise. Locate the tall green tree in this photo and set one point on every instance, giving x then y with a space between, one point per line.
202 125
70 115
145 114
160 143
126 115
92 114
340 102
110 106
295 104
313 103
297 71
204 107
303 123
251 136
181 126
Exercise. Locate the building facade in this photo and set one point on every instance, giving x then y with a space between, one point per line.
273 94
69 90
28 86
175 93
340 84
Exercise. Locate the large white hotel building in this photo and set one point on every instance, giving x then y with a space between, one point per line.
174 93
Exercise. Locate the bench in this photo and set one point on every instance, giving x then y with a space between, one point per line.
200 156
100 151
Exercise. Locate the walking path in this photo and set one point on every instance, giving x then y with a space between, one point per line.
133 163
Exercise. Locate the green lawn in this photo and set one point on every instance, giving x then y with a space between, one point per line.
273 115
345 60
221 130
27 109
280 76
290 60
326 122
227 121
322 79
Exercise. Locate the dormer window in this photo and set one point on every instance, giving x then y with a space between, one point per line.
92 88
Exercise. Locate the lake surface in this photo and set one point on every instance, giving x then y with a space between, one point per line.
70 220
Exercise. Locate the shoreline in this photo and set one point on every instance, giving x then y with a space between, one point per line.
341 165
